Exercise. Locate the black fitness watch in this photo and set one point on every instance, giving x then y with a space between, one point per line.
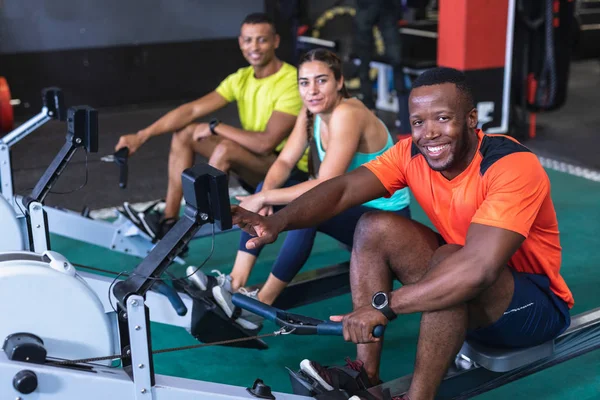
380 302
212 125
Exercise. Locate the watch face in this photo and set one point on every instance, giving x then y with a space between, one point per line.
379 300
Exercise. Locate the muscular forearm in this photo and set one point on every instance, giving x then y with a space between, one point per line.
171 122
256 142
459 278
317 205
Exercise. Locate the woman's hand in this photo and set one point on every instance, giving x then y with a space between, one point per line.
253 202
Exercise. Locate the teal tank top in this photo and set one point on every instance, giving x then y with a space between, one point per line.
399 200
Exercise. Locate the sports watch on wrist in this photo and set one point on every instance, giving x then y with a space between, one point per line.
380 302
212 125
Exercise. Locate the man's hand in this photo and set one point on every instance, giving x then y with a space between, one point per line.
202 131
132 142
253 202
265 229
359 324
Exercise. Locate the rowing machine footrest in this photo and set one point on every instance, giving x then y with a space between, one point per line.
304 385
210 324
503 360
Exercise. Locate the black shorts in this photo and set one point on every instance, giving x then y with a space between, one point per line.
535 315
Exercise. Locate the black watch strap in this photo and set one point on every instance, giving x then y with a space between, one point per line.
212 125
389 314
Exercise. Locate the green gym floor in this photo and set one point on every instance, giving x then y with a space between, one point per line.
576 201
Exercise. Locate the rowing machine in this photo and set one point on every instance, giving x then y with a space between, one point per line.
25 219
61 317
119 235
25 225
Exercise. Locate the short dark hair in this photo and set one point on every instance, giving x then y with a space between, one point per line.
260 18
440 75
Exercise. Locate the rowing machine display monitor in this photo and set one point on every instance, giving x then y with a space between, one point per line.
205 188
54 100
82 125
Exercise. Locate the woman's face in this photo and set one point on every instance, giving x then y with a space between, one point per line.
318 87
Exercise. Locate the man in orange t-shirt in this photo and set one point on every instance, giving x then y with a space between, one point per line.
491 271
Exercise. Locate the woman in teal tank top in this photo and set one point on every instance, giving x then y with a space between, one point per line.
398 200
345 134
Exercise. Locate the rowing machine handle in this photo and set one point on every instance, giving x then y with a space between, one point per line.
121 157
337 329
255 306
303 325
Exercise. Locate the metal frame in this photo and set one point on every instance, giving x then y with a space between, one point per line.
11 139
99 383
53 108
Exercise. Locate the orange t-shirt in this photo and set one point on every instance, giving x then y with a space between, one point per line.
505 186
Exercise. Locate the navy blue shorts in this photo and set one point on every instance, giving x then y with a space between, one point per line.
534 316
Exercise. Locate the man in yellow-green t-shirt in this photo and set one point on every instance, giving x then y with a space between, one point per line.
268 102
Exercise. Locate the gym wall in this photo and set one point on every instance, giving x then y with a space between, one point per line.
114 52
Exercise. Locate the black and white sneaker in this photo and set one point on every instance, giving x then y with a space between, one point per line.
351 377
131 213
150 220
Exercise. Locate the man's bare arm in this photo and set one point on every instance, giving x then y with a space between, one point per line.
173 121
330 198
463 275
184 115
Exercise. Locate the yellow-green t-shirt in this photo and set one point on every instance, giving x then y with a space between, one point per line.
258 98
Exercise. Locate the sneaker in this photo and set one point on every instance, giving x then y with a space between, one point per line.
205 282
156 225
318 373
351 377
149 220
242 317
197 277
131 213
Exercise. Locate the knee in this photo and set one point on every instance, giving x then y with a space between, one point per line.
183 137
224 153
442 253
373 226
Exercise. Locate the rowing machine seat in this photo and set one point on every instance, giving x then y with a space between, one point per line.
503 360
